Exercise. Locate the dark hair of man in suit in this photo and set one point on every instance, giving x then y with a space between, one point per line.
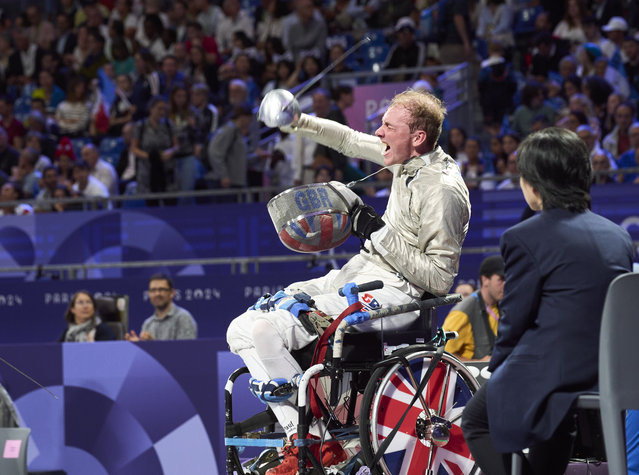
556 163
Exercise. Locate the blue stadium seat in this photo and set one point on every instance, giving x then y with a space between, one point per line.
524 21
77 144
110 149
22 108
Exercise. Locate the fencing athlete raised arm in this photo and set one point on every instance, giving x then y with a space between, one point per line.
413 248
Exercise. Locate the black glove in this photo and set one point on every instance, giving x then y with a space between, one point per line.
365 221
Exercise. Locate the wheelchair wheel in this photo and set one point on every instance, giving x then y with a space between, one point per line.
417 447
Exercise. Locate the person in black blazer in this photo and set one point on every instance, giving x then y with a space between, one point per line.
558 264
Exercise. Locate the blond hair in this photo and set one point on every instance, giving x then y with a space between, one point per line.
426 111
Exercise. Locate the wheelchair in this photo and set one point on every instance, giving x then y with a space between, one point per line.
392 399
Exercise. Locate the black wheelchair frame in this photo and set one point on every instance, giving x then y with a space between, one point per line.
418 391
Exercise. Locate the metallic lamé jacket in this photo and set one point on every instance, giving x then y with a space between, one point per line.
427 213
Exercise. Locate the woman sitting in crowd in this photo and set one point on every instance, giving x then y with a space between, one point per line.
83 322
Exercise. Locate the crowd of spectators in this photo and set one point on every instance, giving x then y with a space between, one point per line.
99 98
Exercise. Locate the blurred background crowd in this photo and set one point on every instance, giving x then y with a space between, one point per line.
127 97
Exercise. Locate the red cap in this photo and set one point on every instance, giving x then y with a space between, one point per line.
64 148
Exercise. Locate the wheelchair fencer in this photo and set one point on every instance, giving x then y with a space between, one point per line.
393 412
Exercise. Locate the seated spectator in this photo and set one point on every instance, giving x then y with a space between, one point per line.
123 62
567 67
95 58
12 191
62 191
169 321
126 165
631 63
237 96
242 64
465 289
73 115
496 85
546 56
147 84
196 36
539 122
64 159
35 141
600 168
570 86
456 142
123 12
307 67
304 30
83 323
149 37
497 156
590 137
406 52
597 90
22 62
336 50
607 117
49 185
495 23
509 142
27 174
100 169
208 114
512 182
233 18
269 17
532 104
170 77
40 121
619 83
201 70
593 35
43 125
184 123
8 154
86 185
618 140
570 27
473 169
278 169
122 110
630 159
571 120
13 127
616 30
475 318
49 92
208 15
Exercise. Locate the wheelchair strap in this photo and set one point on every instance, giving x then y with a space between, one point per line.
321 347
431 367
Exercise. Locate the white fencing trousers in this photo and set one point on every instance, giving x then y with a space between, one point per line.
264 339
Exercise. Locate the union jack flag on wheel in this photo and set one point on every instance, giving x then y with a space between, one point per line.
429 439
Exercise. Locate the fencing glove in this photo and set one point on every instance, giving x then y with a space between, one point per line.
365 221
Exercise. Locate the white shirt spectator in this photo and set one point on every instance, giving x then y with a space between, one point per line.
95 189
105 172
227 26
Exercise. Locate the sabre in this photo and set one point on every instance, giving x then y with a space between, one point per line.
330 67
280 107
26 376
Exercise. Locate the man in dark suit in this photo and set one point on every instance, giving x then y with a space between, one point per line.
558 267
